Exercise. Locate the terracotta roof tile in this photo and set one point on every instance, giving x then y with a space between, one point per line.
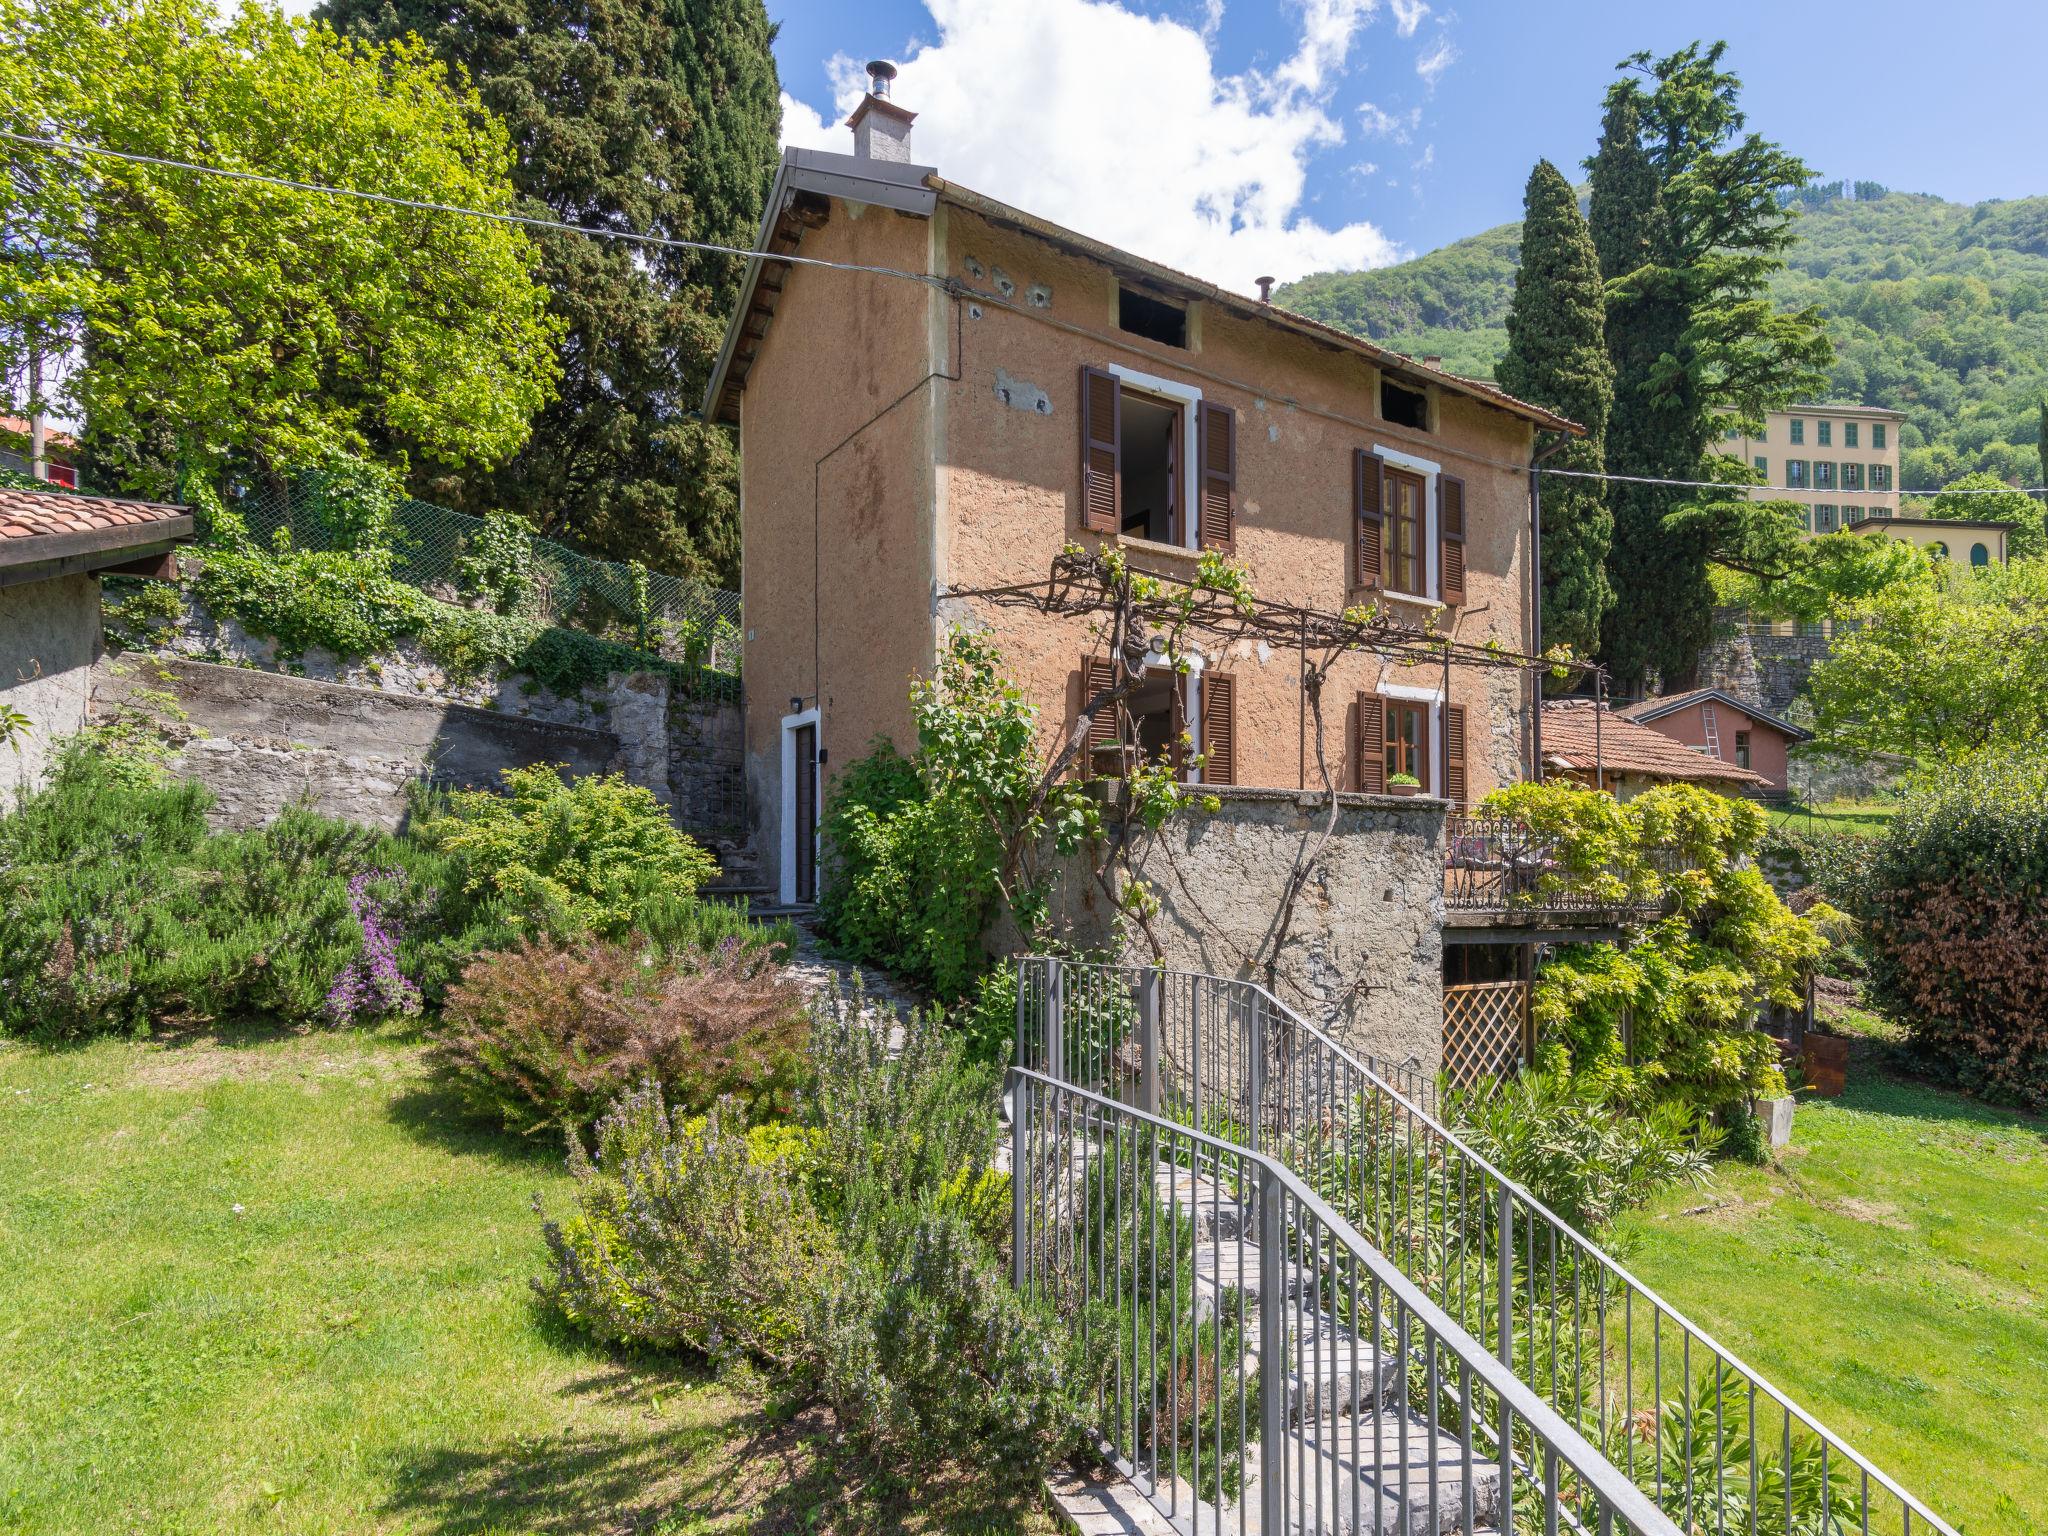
1626 747
35 514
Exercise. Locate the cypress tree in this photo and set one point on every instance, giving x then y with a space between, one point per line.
1690 221
2041 444
652 116
1557 357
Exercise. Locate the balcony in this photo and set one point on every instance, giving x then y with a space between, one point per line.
1501 872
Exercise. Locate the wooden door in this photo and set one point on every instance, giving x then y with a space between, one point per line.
807 812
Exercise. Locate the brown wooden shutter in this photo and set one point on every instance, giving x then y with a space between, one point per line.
1098 675
1219 728
1451 537
1368 502
1454 753
1372 744
1216 456
1101 439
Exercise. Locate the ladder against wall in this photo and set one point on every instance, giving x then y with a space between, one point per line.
1713 726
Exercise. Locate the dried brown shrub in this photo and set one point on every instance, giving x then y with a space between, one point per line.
549 1034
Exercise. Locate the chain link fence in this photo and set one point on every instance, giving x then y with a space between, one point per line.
450 555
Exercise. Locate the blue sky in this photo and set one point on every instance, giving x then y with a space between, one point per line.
1241 137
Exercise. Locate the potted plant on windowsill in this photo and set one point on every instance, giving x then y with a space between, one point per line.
1403 784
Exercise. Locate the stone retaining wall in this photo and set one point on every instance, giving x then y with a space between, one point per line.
1364 957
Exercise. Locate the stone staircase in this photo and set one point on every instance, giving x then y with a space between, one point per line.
1361 1454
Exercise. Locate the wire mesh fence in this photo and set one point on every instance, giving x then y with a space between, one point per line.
450 555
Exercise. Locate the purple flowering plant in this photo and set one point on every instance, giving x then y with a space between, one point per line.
371 986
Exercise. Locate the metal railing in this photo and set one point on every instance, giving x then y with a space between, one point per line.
1496 863
1714 1444
1259 1367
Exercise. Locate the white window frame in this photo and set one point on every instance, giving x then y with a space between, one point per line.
1189 398
1434 698
1190 683
785 880
1432 476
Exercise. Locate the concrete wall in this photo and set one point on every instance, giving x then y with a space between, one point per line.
49 640
262 740
1364 958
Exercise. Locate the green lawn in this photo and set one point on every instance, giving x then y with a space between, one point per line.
1891 1274
1862 818
276 1284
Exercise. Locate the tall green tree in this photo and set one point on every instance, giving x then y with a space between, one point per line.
226 327
1697 345
649 116
1557 357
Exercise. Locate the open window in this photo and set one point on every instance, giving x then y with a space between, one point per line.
1170 715
1403 407
1150 461
1158 462
1153 319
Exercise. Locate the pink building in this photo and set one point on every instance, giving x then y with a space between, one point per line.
1722 726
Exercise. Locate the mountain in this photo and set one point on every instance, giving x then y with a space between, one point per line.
1937 309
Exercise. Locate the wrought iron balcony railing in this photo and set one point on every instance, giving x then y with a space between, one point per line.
1499 864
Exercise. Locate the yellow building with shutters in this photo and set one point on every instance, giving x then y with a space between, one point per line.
1839 463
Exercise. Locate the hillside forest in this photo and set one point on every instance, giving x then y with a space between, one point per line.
1937 309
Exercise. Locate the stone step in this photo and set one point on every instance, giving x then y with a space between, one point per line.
1331 1369
1211 1205
1408 1482
1223 1265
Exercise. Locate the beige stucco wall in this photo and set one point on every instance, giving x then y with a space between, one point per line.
1957 537
49 640
835 504
1775 446
1009 488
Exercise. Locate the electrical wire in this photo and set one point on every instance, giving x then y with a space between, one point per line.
944 285
666 242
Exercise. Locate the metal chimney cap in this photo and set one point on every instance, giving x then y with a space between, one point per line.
1265 289
880 73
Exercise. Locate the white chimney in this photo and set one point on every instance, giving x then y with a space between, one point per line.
881 129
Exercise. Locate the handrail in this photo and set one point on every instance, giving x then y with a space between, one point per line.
1418 1116
1618 1495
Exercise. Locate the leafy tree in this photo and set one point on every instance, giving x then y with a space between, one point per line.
253 327
1940 669
1810 579
650 116
1557 357
1988 499
1696 341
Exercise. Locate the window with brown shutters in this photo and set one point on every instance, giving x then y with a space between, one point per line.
1219 728
1451 537
1101 442
1098 677
1454 753
1371 745
1368 495
1216 456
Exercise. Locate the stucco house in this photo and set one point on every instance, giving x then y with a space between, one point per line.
1727 729
54 547
1614 750
909 438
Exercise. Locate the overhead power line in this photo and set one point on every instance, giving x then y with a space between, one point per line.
529 221
945 285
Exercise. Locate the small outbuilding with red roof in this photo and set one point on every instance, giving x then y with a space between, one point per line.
54 547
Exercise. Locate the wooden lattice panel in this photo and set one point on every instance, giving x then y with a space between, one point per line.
1486 1028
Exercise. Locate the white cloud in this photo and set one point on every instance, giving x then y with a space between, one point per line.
1408 16
1437 58
1118 125
1378 123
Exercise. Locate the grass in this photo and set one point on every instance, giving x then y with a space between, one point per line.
276 1284
1891 1274
1862 819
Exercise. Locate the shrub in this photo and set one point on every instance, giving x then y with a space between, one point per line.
120 911
355 501
1955 925
941 1356
698 1234
497 565
581 855
1562 1141
549 1033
